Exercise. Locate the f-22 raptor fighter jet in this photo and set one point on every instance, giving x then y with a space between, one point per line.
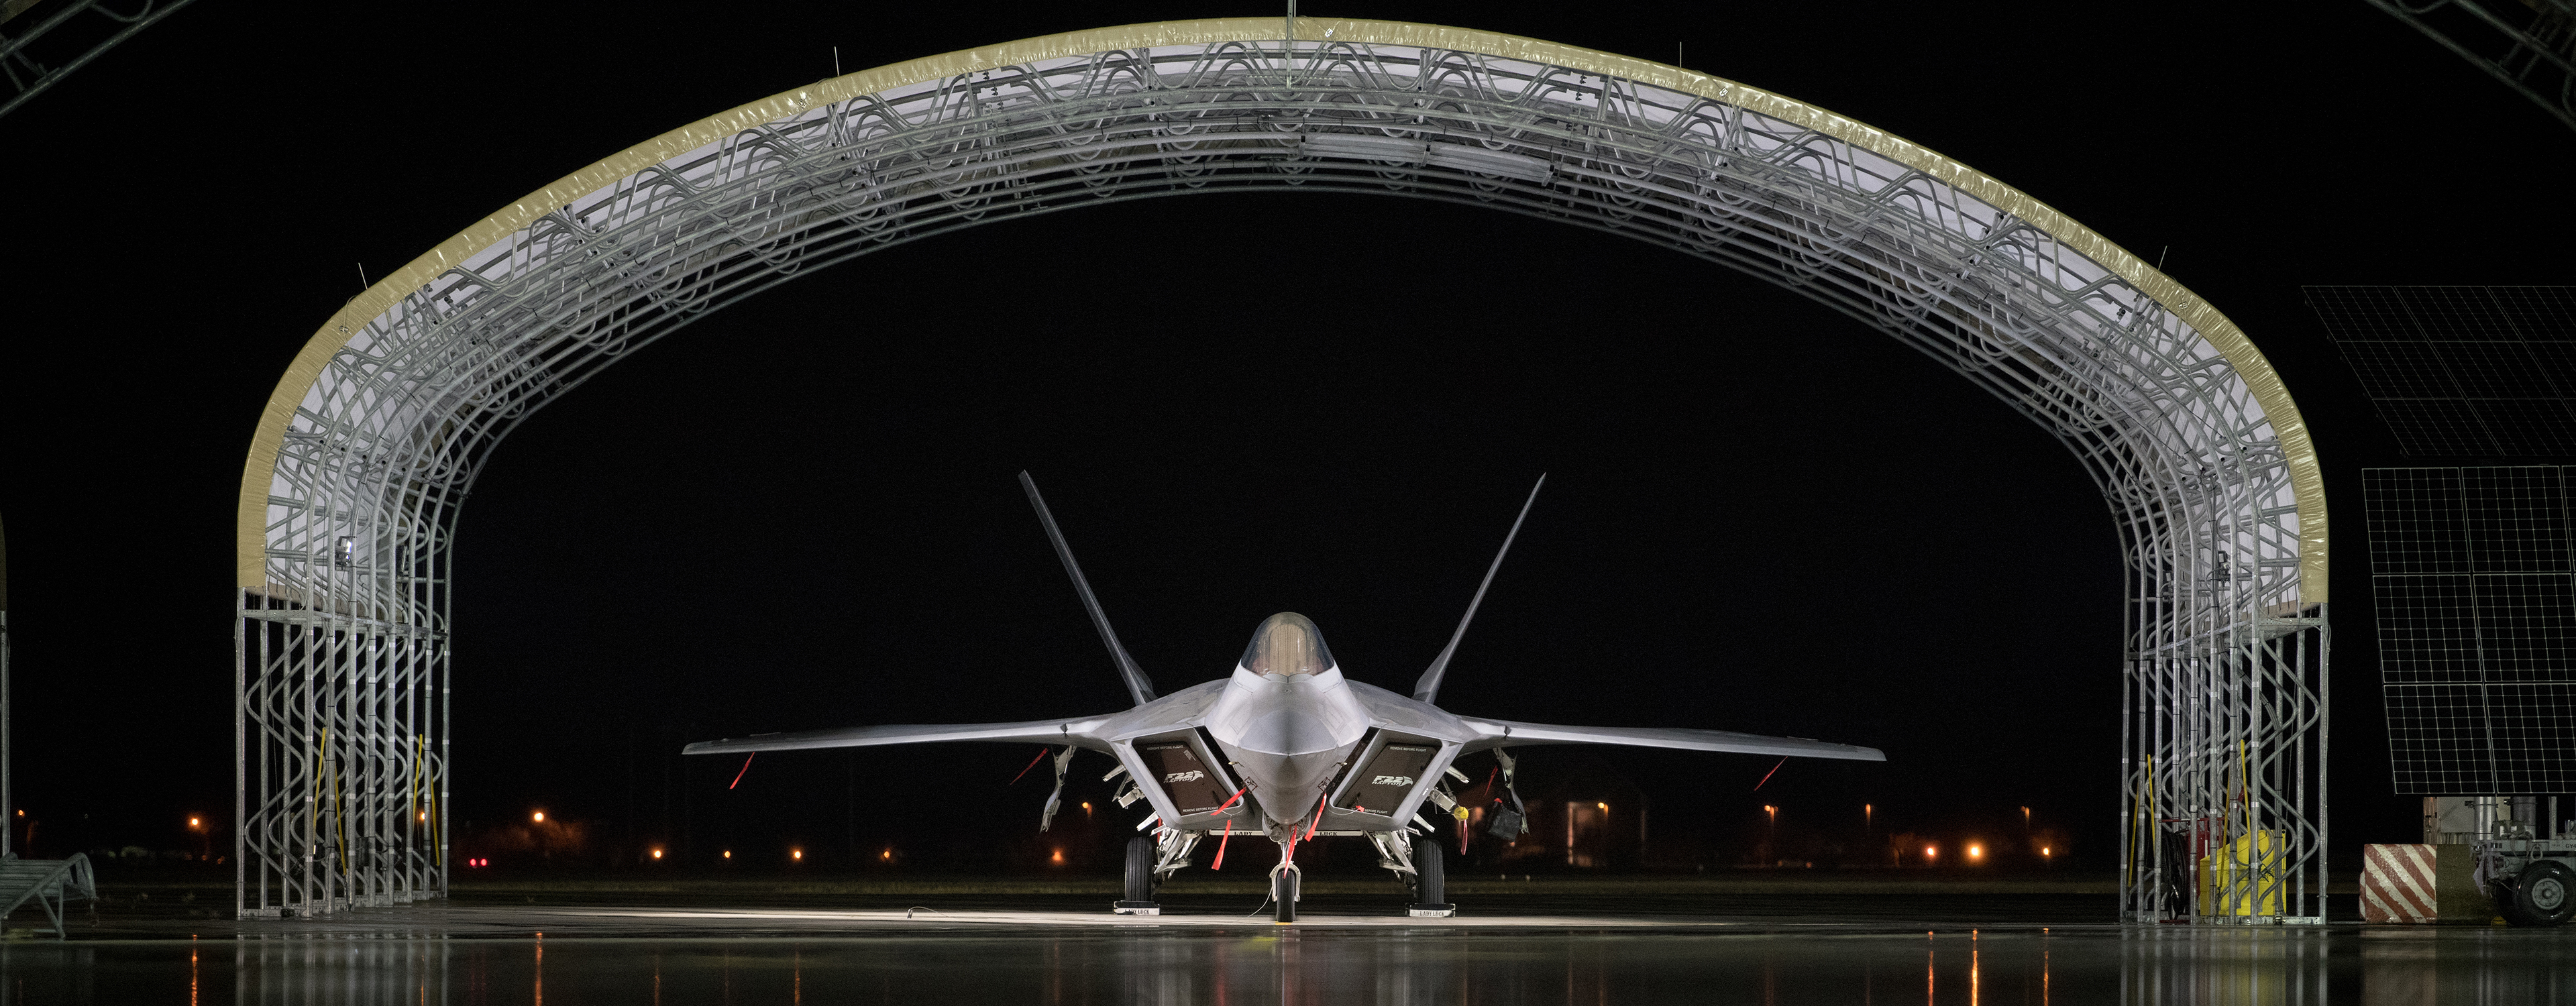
1286 747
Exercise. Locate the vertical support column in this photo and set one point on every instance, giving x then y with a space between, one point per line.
242 628
8 799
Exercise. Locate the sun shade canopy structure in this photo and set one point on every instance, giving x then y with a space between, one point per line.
353 483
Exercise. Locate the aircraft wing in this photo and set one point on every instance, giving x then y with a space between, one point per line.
1075 732
1507 733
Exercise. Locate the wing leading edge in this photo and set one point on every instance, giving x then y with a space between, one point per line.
1078 733
1509 733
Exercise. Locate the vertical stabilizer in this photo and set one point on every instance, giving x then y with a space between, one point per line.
1428 688
1137 685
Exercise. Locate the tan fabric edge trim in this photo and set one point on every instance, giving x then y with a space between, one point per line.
2307 480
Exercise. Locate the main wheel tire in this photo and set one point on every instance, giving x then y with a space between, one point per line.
2544 894
1140 868
1283 892
1429 887
2506 900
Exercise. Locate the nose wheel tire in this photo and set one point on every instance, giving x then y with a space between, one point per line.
1283 893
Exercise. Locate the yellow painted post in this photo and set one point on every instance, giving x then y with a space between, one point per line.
2243 877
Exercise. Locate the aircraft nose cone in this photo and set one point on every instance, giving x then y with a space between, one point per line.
1287 737
1287 732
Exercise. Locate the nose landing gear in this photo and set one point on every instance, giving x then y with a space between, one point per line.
1283 886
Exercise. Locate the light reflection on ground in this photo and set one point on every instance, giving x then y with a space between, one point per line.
1063 953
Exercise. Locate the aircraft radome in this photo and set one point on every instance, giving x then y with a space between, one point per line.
1287 748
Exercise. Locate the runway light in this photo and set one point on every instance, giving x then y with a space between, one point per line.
657 853
540 817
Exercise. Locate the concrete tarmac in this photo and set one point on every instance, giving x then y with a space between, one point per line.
1214 947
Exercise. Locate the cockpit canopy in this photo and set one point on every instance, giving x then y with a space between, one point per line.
1287 643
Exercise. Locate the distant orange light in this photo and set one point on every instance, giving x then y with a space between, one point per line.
728 854
1975 851
1605 808
424 815
540 817
887 855
796 854
192 822
1059 854
1931 851
2043 850
657 853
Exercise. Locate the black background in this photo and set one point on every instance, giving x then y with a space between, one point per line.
800 512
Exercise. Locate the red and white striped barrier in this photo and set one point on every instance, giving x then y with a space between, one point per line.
2397 883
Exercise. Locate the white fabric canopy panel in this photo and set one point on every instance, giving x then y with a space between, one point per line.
352 487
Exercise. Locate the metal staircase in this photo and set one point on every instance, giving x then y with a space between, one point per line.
50 883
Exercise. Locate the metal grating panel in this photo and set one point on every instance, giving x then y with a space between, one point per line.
2462 371
2474 575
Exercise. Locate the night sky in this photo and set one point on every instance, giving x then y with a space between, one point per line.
801 512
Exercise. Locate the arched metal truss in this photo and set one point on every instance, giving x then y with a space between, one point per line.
27 76
352 488
2536 57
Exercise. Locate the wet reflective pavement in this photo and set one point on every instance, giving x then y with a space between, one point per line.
1064 949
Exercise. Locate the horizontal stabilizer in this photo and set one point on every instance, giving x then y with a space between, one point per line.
1074 732
1501 733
